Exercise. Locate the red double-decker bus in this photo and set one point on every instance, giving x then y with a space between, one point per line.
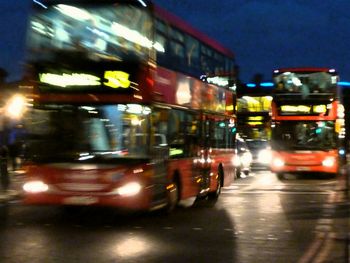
307 121
129 107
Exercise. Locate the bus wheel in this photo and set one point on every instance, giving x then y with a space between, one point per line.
238 172
280 176
173 196
213 196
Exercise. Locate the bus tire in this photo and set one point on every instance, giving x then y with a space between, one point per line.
213 196
280 176
173 196
238 172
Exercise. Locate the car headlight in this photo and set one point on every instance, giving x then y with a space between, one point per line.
246 158
35 187
264 156
236 161
278 162
328 162
129 189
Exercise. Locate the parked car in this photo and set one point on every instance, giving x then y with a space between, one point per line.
243 158
261 153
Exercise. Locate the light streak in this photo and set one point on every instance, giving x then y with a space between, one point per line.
39 3
142 3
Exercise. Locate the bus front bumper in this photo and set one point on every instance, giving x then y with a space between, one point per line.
305 168
139 201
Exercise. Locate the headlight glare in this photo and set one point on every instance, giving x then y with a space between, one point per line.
328 162
246 158
236 161
264 156
277 162
129 189
35 187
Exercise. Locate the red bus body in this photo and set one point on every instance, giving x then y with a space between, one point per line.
306 128
198 164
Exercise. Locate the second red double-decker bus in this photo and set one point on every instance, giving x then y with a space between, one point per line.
307 121
126 107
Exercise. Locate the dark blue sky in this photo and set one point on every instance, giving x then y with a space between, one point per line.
12 31
264 34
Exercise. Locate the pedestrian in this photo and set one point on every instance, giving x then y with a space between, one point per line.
4 175
15 145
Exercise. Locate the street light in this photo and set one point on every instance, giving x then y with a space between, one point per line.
15 107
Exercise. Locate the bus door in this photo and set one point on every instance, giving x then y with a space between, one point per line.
182 132
219 142
209 146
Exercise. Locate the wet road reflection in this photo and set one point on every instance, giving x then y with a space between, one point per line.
257 219
295 220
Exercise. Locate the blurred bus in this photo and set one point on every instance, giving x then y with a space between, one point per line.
307 121
129 107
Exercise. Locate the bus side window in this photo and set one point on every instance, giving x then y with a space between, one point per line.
218 134
183 134
192 135
159 127
177 48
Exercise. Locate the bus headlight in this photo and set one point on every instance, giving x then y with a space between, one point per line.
264 156
35 187
129 189
278 163
328 162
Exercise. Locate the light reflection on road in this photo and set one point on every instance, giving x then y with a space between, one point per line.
132 246
284 217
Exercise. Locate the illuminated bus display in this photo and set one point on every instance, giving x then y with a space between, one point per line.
316 110
112 79
84 75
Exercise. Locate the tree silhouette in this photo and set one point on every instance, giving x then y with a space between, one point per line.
3 75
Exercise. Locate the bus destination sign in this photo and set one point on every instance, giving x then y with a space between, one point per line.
78 81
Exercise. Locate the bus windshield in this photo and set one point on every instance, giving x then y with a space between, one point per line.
304 135
78 133
115 32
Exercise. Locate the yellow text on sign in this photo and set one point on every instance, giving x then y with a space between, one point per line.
117 79
73 79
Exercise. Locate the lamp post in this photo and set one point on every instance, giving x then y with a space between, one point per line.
13 109
4 175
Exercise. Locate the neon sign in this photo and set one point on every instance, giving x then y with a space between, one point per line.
117 79
73 79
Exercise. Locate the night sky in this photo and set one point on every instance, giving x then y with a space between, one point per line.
267 34
264 34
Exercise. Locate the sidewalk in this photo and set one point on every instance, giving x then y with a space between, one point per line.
15 188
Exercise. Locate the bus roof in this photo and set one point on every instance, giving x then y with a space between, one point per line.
184 26
161 13
304 70
141 2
